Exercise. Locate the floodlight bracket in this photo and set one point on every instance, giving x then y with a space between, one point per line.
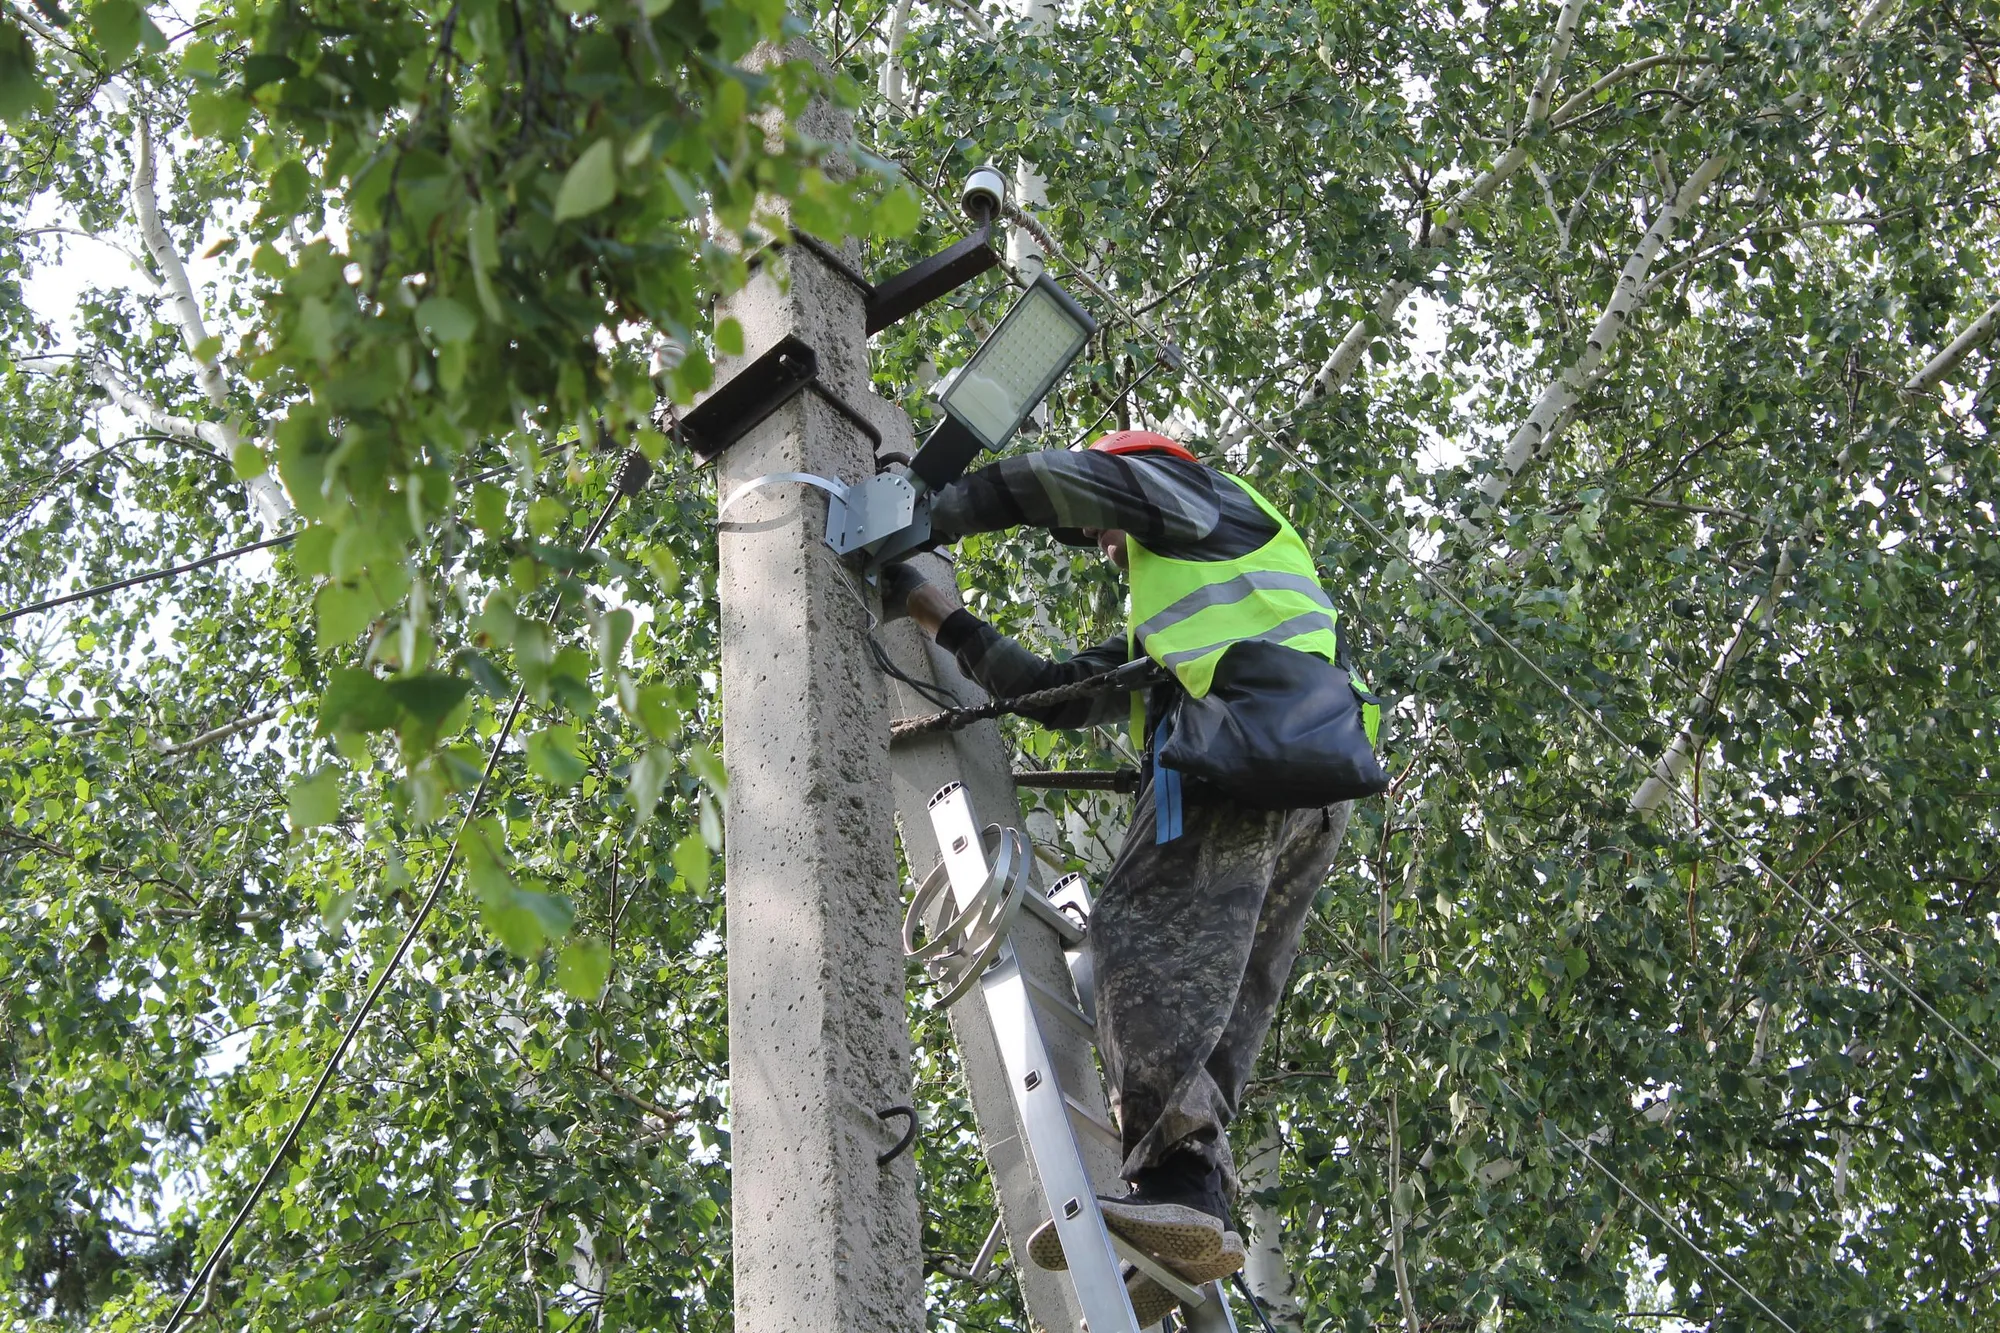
753 393
917 286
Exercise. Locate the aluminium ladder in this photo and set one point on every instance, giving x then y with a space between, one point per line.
968 940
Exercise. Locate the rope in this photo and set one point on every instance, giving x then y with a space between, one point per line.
631 475
1138 675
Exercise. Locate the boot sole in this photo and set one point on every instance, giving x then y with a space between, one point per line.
1190 1242
1151 1302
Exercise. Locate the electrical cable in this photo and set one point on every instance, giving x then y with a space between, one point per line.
153 576
1251 1297
631 475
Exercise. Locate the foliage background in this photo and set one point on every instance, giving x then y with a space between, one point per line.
434 246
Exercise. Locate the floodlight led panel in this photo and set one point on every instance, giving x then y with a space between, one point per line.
1016 367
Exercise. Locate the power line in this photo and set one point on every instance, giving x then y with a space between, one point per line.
631 475
154 576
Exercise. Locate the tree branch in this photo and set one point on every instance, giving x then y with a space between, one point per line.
214 734
1572 110
1957 350
265 493
1544 422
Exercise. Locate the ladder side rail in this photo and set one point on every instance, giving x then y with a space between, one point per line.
1094 1268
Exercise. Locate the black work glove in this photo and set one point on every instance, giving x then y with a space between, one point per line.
898 582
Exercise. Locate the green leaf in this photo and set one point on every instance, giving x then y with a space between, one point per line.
729 337
21 89
692 859
339 906
584 967
246 460
898 213
555 755
115 23
590 183
430 696
344 610
489 509
315 800
649 773
546 516
356 700
445 320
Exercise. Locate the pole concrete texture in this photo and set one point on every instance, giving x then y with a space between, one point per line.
977 757
825 1239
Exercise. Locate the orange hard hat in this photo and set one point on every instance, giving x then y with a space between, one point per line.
1140 442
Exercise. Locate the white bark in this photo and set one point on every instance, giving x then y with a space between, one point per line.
1672 766
1956 351
1552 408
181 299
266 495
892 60
1339 367
155 418
1030 190
1265 1272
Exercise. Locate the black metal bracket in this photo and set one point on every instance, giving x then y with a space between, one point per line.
750 395
753 393
916 286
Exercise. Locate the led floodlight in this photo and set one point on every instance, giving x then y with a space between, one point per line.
1008 376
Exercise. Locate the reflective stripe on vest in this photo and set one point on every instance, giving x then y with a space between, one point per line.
1186 613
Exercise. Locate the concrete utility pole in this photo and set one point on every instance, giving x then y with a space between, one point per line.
825 1239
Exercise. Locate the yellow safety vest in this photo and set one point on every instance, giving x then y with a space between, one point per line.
1186 613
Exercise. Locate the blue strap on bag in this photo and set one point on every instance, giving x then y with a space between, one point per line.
1166 790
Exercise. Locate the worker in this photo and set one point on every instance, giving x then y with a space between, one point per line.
1197 925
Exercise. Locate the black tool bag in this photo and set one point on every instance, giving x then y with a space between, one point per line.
1278 730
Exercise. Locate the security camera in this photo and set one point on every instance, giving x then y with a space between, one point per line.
984 195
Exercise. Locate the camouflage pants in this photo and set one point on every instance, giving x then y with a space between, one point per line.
1192 941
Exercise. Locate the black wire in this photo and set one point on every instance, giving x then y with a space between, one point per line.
1255 1304
1123 394
628 479
154 576
936 694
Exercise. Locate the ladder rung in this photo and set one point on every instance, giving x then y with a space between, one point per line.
1093 1121
1050 1000
1067 930
1151 1267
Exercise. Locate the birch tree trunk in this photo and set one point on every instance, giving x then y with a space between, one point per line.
1266 1273
266 494
1672 766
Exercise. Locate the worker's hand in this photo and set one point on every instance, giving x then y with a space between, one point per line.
898 582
